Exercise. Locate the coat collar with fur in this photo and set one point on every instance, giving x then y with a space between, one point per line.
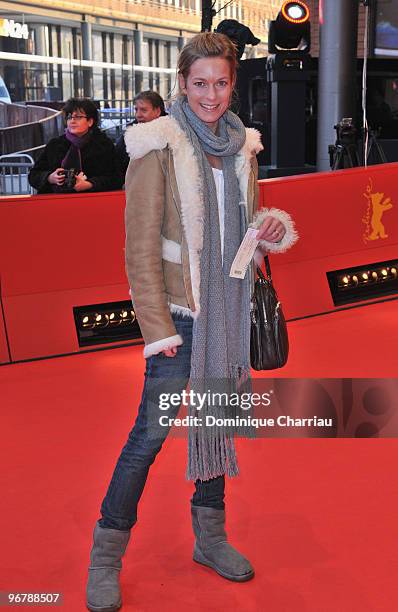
142 138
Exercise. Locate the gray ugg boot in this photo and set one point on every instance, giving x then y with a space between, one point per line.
103 588
212 548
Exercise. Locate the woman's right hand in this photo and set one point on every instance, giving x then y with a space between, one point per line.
57 177
172 352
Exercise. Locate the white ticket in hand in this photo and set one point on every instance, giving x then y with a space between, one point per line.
245 254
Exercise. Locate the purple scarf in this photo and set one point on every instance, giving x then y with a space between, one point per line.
73 158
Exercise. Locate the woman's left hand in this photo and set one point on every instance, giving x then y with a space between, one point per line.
82 184
170 352
271 230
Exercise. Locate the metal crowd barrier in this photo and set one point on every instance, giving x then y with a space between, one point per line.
114 119
14 170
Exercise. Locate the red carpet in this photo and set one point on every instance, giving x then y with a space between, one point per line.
317 517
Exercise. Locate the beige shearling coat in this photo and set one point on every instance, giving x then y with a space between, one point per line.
164 224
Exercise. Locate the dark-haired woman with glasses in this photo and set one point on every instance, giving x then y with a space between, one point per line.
82 159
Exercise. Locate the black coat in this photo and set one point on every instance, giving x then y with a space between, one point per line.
121 152
98 160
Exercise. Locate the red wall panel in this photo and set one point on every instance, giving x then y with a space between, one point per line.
333 214
42 324
59 242
61 251
57 252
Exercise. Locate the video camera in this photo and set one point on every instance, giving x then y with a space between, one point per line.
347 133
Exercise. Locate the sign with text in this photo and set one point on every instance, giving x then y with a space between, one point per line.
13 29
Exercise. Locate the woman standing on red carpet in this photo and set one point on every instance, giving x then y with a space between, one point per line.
191 191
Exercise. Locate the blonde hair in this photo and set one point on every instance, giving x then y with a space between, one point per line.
207 44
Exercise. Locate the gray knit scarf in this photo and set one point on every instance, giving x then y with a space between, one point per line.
220 358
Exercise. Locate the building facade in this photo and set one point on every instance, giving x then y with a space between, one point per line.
109 50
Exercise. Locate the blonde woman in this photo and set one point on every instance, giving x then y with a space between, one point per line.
191 191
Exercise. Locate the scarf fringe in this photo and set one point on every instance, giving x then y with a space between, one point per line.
205 463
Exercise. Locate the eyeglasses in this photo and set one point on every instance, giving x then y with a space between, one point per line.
78 117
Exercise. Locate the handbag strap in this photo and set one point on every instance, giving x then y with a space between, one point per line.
267 269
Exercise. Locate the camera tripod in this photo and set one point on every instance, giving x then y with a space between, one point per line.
345 154
374 146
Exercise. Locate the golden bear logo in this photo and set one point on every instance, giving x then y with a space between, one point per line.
376 207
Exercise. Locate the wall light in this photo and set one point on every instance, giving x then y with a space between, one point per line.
103 323
363 282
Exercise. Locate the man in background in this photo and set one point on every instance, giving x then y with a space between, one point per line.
148 105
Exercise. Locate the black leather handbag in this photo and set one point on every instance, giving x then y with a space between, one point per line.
269 342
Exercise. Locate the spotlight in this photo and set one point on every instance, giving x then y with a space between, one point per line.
101 320
291 29
113 319
127 317
295 12
88 321
288 72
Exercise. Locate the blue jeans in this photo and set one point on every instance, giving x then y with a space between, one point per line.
162 375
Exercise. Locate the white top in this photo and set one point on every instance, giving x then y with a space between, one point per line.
219 181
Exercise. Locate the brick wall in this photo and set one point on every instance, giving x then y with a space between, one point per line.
314 12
